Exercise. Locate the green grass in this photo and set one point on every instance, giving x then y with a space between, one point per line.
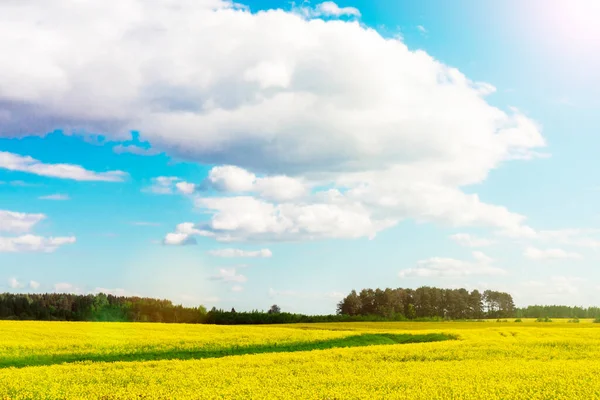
211 352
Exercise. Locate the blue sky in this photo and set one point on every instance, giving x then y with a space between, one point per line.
240 156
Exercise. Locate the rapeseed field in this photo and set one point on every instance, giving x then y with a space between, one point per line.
450 360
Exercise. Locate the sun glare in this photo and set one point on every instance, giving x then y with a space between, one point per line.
577 21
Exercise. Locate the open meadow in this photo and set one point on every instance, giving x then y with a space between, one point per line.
395 360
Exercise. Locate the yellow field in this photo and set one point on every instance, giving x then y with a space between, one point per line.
490 360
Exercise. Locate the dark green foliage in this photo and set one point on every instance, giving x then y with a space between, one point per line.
558 312
214 352
518 320
546 319
427 302
274 309
221 317
99 307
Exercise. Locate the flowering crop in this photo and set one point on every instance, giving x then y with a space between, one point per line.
489 361
41 343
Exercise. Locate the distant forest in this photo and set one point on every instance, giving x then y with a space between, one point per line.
424 303
428 302
99 307
435 303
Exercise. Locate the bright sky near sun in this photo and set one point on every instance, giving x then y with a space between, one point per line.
240 155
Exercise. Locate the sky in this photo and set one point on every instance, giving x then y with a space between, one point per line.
246 154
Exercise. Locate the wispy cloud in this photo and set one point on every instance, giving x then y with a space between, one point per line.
228 275
439 267
56 197
230 253
15 284
16 162
18 222
33 244
328 9
162 185
20 183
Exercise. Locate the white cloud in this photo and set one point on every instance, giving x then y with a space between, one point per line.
230 253
421 29
362 211
34 285
228 275
17 222
237 288
19 183
246 218
534 253
466 240
32 243
233 179
331 9
170 185
184 235
185 187
398 195
15 162
14 283
56 197
179 239
162 185
439 267
229 178
277 93
280 188
184 101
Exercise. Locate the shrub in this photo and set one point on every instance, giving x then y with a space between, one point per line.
573 321
543 320
518 320
597 320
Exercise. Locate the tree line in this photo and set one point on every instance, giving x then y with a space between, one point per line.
98 307
424 303
428 302
558 312
275 316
